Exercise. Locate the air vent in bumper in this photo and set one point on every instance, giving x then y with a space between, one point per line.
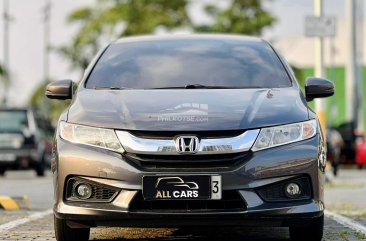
231 201
99 192
277 192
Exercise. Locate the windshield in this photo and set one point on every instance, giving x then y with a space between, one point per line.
179 63
13 120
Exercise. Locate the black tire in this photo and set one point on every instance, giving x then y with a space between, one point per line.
64 233
360 167
40 170
2 171
41 167
313 232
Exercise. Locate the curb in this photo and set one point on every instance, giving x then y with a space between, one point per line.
14 203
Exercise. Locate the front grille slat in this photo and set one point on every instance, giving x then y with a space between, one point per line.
231 201
187 161
172 134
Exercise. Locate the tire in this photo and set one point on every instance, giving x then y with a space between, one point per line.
41 167
360 166
313 232
40 170
64 233
2 171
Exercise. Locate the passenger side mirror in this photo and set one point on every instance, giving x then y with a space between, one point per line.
318 88
61 90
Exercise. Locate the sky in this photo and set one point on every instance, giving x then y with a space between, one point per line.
26 35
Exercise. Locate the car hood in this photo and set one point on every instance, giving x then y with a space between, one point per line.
188 109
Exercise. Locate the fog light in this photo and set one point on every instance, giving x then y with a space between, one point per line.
84 191
293 189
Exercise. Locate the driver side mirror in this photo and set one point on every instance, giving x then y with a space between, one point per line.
61 90
318 88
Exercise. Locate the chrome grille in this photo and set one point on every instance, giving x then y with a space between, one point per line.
204 146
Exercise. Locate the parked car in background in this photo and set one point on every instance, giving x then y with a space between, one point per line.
23 140
349 134
360 151
189 130
354 148
335 144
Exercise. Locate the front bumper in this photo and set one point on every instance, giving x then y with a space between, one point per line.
117 214
282 217
263 168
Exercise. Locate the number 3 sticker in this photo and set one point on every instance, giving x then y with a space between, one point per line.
216 187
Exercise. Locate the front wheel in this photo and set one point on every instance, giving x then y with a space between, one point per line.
313 232
64 233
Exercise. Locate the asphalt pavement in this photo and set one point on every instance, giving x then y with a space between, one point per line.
38 190
345 196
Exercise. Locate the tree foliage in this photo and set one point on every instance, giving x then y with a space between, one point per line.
240 17
2 71
113 19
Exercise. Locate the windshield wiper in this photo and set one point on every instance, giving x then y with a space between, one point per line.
188 86
199 86
110 88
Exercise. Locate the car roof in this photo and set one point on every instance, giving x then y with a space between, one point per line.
145 38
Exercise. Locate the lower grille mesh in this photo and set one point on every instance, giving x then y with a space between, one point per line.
231 201
100 193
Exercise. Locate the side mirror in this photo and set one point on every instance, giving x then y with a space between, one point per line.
318 88
61 90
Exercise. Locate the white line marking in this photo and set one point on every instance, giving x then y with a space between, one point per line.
347 222
13 224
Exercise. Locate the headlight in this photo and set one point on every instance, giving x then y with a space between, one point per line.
99 137
280 135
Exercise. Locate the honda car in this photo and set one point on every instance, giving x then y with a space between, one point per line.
189 130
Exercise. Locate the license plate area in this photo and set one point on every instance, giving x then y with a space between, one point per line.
189 187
